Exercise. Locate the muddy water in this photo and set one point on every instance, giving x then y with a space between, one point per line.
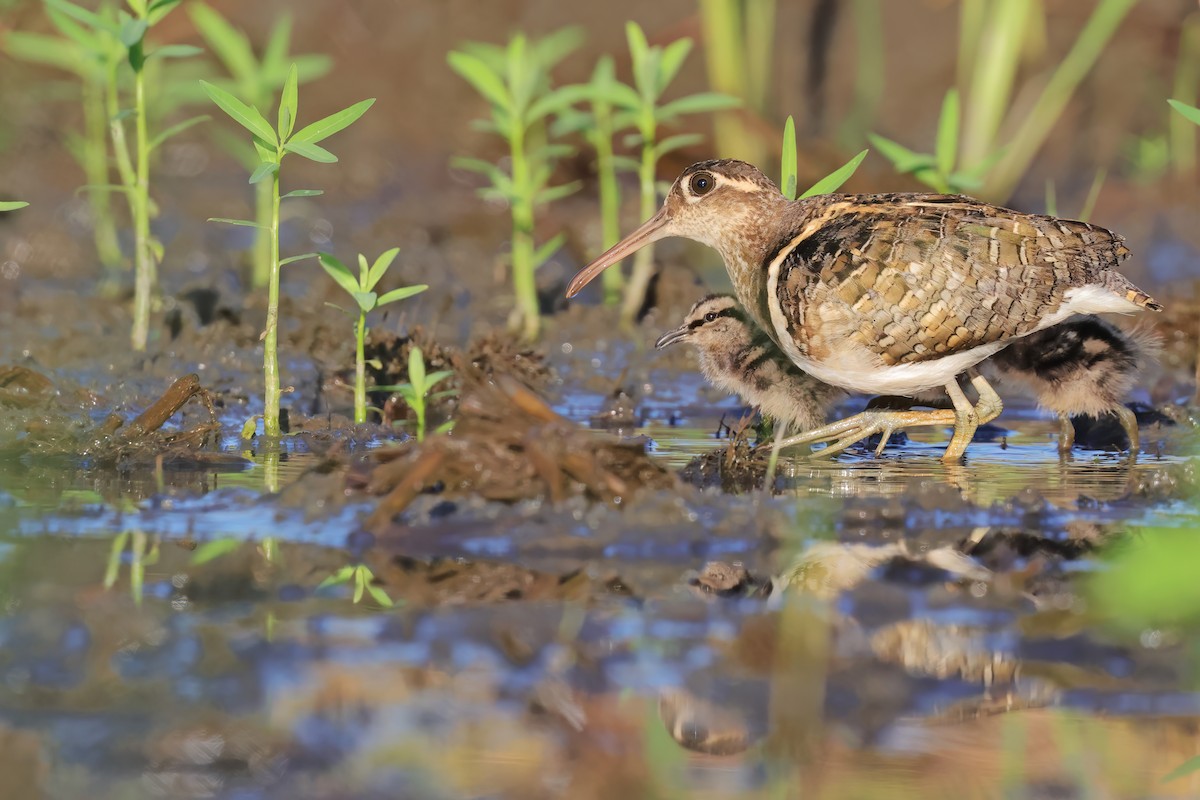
877 627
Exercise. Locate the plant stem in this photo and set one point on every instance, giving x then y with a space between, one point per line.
643 261
996 57
759 47
524 285
869 72
610 199
1181 132
1036 127
261 265
725 52
144 279
112 101
95 161
271 336
360 370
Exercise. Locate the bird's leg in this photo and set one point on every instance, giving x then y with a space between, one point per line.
965 422
846 432
1128 421
1066 434
990 405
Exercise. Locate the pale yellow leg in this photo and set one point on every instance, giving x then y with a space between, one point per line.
1066 434
846 432
1129 423
990 405
965 422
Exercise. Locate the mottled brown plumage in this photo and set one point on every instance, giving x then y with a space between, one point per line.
893 293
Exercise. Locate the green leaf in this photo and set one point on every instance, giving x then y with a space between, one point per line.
787 159
557 100
402 293
338 271
49 51
294 259
227 43
676 142
379 596
12 205
246 116
324 128
621 95
554 47
903 159
214 549
132 32
549 248
381 266
360 579
482 78
250 427
672 59
639 53
946 147
312 152
1190 113
701 102
274 57
159 9
88 18
341 576
436 378
289 103
366 300
416 370
553 193
244 223
264 170
175 51
303 193
833 181
175 130
1188 767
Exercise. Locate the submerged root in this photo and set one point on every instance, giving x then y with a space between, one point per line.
509 445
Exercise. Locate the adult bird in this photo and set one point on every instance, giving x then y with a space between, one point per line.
890 294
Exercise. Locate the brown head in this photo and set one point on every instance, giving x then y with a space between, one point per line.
723 204
715 324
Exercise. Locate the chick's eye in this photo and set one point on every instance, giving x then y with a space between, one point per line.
710 316
702 183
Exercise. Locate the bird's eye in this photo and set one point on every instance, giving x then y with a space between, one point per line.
702 183
710 316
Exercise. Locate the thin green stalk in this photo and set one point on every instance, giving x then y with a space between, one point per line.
144 279
360 370
759 48
610 199
261 265
271 338
869 72
1046 111
95 163
524 284
971 20
1181 131
643 261
996 57
116 127
725 53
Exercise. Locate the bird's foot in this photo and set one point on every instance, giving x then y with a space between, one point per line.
844 433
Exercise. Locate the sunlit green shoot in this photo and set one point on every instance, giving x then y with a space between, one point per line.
515 82
364 583
143 552
789 179
272 143
416 391
12 205
362 291
654 68
255 80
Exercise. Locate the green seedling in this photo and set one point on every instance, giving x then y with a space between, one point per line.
739 42
515 81
364 583
12 205
937 170
254 80
143 552
415 392
272 143
598 129
89 56
830 183
654 68
362 290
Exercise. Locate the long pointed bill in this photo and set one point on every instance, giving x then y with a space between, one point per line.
651 230
670 338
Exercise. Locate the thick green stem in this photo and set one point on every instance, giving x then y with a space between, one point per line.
760 46
610 200
643 260
261 266
144 278
1023 146
996 57
725 54
869 77
95 164
360 370
1181 131
524 283
271 335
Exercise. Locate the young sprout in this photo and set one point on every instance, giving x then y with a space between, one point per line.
12 205
515 81
653 70
364 581
272 143
415 391
362 290
830 183
255 81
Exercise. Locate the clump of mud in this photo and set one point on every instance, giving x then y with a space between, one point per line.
738 467
508 445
